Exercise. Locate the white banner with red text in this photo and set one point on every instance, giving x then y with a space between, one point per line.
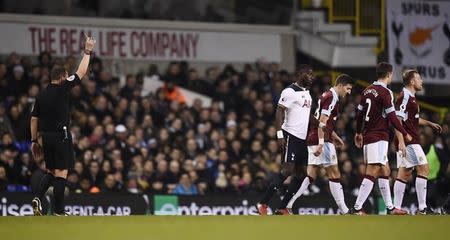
140 43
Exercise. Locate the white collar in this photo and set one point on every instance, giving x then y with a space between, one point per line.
380 83
302 88
406 91
335 95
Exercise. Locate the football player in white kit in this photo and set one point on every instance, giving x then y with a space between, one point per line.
292 120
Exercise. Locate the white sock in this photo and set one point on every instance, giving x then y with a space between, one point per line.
364 192
385 190
338 195
421 189
300 191
399 192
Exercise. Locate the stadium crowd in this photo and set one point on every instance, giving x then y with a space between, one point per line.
126 142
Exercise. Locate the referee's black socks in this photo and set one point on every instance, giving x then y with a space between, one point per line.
293 187
58 194
46 181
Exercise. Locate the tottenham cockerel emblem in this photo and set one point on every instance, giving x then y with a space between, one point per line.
446 30
397 29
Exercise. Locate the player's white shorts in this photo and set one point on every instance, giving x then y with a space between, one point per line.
414 156
376 152
327 158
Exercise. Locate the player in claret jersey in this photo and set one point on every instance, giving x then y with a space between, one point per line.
320 140
376 110
411 155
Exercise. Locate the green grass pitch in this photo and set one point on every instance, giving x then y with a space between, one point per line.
226 227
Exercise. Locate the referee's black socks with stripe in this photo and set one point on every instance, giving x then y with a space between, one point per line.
58 194
46 181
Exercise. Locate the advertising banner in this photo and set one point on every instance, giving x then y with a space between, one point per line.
106 204
140 43
245 205
19 204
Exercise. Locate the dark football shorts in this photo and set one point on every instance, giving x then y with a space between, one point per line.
58 150
296 150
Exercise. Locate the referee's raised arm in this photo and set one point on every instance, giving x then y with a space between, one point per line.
88 47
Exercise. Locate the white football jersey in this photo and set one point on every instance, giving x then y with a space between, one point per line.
297 102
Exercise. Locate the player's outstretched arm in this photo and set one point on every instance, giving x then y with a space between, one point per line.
434 126
88 47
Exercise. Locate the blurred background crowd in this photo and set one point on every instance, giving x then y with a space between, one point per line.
156 143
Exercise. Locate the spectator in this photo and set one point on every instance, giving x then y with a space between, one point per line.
109 185
18 83
130 85
174 75
185 186
73 183
3 179
196 84
94 174
173 94
5 123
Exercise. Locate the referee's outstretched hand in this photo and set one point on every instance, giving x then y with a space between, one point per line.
36 150
90 42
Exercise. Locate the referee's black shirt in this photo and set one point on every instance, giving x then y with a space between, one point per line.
52 105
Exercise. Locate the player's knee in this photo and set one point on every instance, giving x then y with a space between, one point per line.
52 171
286 172
333 172
334 175
312 175
300 175
372 170
422 170
404 174
287 169
385 171
60 173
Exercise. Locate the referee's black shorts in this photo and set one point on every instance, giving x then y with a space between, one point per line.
296 150
58 150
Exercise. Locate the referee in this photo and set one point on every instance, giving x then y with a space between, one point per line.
51 118
292 119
